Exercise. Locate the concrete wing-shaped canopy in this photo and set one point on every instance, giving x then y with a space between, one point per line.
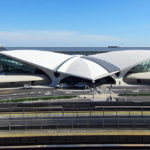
84 67
125 59
44 59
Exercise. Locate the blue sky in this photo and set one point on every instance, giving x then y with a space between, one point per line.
75 22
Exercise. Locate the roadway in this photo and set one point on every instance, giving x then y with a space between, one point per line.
37 92
14 93
130 89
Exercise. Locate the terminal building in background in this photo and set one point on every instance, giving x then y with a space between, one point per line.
37 67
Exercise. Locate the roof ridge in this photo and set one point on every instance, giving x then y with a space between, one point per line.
106 65
59 66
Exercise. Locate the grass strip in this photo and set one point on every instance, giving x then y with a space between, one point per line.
136 94
37 98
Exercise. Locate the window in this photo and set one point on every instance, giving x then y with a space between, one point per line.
9 65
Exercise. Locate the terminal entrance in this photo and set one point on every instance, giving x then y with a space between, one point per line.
76 82
105 80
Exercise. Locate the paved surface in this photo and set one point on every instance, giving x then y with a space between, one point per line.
63 132
37 92
130 89
100 94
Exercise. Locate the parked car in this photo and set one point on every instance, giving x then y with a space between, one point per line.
81 85
27 86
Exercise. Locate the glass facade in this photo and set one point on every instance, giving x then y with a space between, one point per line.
11 66
143 67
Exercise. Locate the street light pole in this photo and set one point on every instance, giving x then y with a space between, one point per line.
93 90
110 92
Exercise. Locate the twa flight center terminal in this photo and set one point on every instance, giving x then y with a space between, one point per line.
37 67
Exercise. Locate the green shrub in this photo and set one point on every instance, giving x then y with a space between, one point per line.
134 94
38 98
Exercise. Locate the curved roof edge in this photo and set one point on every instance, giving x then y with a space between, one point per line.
44 59
108 66
125 59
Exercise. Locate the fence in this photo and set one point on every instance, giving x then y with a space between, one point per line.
74 120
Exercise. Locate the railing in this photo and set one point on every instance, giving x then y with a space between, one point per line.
76 119
75 124
102 113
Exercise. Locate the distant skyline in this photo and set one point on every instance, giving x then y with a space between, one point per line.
75 23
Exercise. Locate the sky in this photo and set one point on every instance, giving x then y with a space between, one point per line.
75 23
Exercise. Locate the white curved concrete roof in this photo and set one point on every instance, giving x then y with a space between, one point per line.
77 65
83 68
124 59
46 59
90 67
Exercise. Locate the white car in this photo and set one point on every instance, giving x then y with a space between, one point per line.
27 86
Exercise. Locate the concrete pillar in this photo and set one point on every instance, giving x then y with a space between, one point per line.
54 80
